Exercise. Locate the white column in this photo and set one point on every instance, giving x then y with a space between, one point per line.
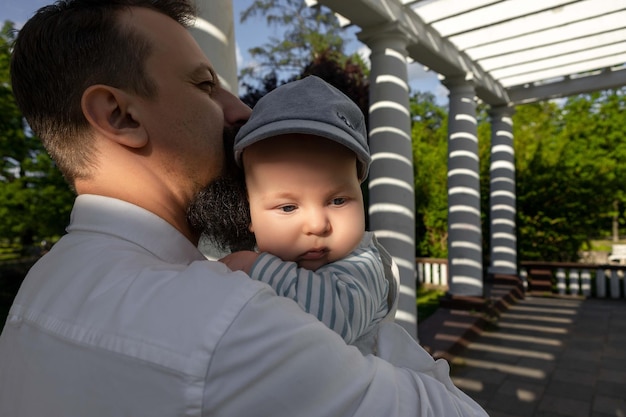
502 194
214 30
391 178
464 222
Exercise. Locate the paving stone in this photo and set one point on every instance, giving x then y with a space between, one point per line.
596 414
470 386
531 367
586 344
614 353
522 389
546 367
566 375
512 405
568 362
618 366
610 389
501 414
618 339
569 390
565 406
483 375
609 405
493 355
611 375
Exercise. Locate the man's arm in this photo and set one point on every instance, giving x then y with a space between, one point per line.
274 360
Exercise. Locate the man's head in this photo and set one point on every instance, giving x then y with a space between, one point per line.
125 101
66 48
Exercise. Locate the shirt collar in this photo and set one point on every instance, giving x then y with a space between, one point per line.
106 215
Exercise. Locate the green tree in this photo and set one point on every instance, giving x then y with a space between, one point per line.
308 33
35 201
570 165
483 132
429 124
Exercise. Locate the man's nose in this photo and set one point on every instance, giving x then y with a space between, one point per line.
236 112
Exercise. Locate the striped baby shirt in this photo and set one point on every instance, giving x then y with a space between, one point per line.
348 295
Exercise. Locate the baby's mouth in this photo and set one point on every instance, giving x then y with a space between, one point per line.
313 254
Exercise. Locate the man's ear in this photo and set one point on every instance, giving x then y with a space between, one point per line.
113 114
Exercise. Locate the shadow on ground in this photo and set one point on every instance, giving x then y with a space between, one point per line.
549 357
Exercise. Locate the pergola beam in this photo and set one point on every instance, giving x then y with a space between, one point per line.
568 86
425 45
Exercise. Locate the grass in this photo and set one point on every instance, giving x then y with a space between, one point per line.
9 252
604 245
428 301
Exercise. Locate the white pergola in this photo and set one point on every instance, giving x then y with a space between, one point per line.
516 51
502 52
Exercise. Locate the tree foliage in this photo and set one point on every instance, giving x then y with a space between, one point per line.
429 124
311 44
571 161
35 201
306 33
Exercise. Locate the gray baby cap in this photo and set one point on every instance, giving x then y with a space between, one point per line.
308 106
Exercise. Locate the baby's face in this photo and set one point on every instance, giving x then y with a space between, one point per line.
306 204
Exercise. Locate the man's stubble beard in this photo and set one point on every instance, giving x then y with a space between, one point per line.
220 211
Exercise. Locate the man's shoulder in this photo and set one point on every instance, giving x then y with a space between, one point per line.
128 305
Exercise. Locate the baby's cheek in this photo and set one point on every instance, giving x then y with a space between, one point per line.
277 247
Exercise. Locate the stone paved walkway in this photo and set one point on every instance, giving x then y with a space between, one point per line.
549 357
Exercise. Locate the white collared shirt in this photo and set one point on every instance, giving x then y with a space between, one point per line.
125 317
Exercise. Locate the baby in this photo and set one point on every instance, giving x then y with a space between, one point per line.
304 155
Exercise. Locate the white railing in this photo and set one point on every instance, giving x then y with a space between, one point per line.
432 271
587 280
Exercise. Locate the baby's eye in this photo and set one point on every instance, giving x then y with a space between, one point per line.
338 201
288 209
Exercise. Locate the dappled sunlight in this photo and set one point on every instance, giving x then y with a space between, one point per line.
511 351
532 327
521 339
525 395
556 320
510 364
389 129
389 105
505 368
547 356
468 385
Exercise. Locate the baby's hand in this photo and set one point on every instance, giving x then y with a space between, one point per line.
240 261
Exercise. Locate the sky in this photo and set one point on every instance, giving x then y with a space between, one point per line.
248 35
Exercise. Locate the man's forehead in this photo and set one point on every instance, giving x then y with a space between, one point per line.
153 25
168 37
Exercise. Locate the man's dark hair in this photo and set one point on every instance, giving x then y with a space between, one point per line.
67 47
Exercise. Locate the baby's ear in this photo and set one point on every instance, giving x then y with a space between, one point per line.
114 114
